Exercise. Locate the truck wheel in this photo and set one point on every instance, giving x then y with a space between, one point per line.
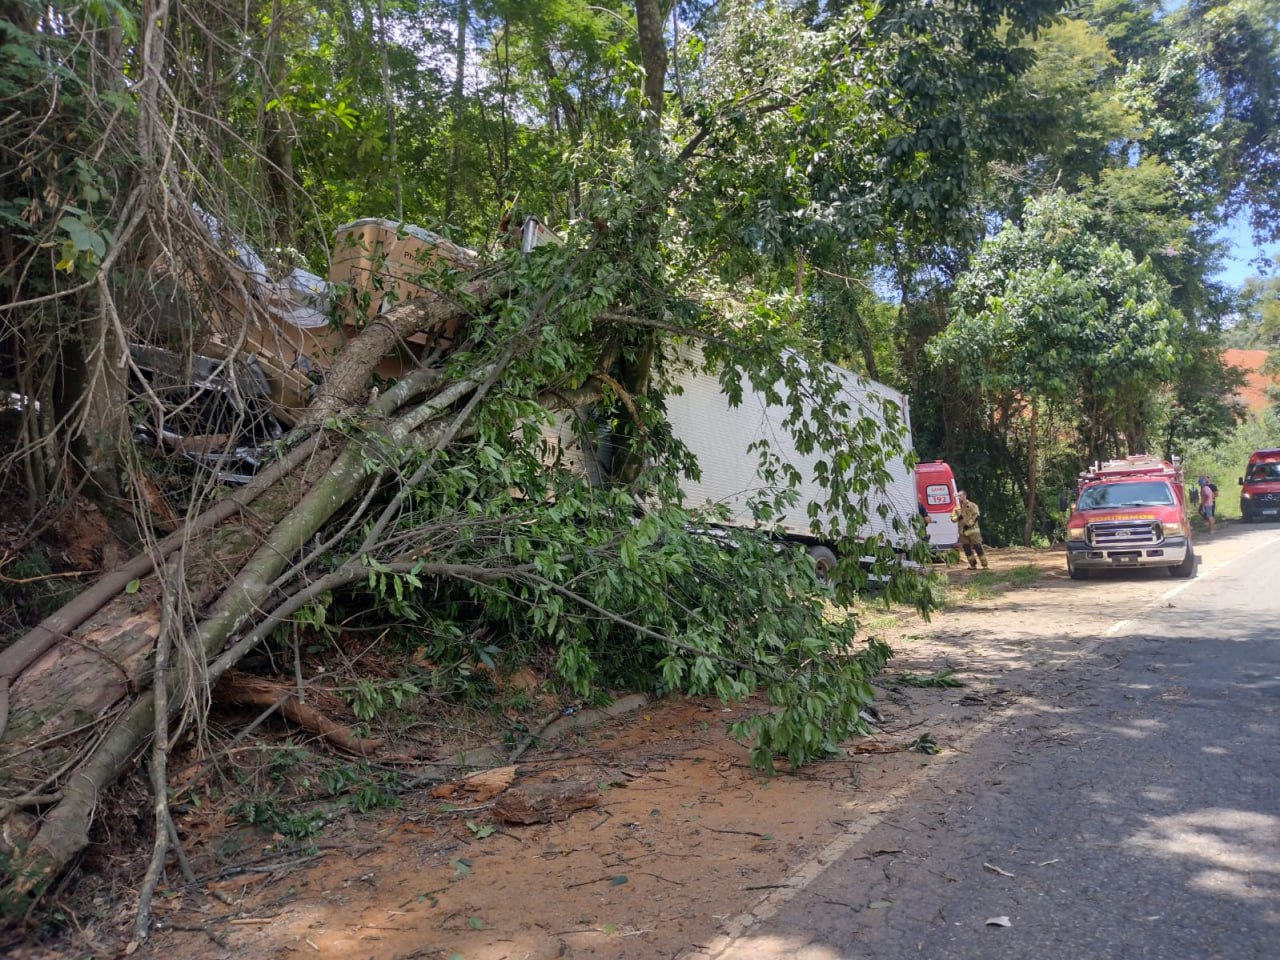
824 559
1186 568
1077 573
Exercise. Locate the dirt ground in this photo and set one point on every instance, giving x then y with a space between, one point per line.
682 837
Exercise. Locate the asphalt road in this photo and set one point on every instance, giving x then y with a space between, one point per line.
1130 809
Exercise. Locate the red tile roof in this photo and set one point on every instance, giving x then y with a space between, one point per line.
1254 392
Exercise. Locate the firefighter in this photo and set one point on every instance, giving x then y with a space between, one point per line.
966 515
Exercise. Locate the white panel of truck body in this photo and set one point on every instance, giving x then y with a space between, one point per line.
721 435
563 444
943 531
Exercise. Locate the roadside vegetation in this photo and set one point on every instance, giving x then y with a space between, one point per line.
1224 462
1005 210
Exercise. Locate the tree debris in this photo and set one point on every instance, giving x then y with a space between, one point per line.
544 802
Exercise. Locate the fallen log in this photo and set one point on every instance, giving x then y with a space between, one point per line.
68 680
60 625
247 690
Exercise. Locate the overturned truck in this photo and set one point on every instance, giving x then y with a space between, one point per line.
250 374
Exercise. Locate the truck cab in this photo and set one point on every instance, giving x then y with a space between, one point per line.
1260 486
1130 513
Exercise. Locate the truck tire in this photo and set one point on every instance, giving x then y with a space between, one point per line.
1186 568
1076 573
824 559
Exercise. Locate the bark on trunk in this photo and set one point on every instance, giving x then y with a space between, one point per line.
346 381
653 55
71 685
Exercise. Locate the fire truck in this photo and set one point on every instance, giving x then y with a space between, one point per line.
1260 487
1130 513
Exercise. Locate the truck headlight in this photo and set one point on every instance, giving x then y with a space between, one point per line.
1172 529
1246 495
1075 533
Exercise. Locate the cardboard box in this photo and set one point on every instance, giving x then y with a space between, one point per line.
383 263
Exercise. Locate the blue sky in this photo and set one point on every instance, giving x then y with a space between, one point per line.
1236 265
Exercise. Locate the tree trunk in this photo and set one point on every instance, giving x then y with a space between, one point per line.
637 366
276 127
82 703
393 158
1033 475
650 17
70 685
455 106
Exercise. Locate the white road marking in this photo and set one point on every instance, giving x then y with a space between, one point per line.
1267 543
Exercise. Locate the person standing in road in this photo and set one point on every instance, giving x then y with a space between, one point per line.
966 515
1208 500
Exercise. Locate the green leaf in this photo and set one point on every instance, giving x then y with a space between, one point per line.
83 238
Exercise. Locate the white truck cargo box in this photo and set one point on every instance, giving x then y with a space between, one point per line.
721 436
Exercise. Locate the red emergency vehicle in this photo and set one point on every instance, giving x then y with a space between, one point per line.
1130 513
1260 486
936 495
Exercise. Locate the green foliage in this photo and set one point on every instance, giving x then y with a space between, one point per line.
626 586
1238 43
925 743
816 710
30 591
1258 325
1224 461
295 793
1049 316
268 813
370 699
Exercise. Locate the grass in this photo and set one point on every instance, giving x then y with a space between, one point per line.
1024 575
882 622
985 584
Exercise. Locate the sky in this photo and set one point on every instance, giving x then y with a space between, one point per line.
1236 264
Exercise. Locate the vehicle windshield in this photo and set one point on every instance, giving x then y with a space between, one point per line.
1263 471
1139 493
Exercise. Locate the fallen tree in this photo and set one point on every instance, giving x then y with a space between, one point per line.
435 493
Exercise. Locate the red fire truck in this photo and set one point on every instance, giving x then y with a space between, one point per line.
1130 513
1260 487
